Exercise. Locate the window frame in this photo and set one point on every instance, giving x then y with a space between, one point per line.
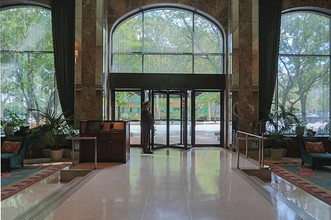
53 98
142 53
320 12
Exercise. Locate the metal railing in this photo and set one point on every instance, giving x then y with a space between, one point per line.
250 137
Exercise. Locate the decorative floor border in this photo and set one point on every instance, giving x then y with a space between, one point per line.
272 195
19 185
304 184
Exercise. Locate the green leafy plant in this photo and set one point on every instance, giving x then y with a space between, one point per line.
278 123
53 130
13 120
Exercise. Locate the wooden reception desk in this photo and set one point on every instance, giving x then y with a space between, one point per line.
113 141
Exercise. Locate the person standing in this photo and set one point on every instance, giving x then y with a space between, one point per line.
147 124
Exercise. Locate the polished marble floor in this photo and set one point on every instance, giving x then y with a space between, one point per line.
200 183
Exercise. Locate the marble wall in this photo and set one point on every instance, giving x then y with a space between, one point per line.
239 20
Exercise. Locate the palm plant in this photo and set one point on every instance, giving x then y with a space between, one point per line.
53 129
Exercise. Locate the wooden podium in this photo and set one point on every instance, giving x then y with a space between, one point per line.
113 141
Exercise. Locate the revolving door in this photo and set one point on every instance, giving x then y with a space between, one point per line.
171 110
183 118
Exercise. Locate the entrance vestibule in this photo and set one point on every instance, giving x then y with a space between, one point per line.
183 118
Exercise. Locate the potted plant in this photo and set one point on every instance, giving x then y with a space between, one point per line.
275 142
12 123
51 132
300 129
278 123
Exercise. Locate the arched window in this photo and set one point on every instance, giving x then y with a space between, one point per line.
304 67
167 40
27 60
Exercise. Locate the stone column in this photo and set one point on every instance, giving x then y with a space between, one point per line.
245 106
88 61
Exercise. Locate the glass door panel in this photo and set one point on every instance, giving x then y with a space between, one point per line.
175 119
128 108
160 117
189 119
207 118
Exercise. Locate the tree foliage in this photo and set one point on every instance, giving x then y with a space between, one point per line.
27 61
167 41
304 62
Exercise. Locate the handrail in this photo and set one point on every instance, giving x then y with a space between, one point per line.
249 136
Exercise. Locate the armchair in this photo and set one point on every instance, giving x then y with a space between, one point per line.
10 160
313 152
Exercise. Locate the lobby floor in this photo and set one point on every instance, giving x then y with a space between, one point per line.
201 184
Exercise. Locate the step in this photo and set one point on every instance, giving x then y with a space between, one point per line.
262 174
70 174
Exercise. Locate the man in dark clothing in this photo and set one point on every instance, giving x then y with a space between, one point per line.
147 124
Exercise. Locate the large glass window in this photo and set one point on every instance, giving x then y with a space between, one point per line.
167 40
26 61
304 67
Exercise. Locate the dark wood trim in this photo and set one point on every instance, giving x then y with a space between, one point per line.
167 81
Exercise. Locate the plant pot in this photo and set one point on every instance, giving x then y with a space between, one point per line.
9 130
56 154
276 154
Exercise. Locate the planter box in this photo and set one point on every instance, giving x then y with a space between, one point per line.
57 155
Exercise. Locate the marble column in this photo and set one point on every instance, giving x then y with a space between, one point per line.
88 62
245 105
